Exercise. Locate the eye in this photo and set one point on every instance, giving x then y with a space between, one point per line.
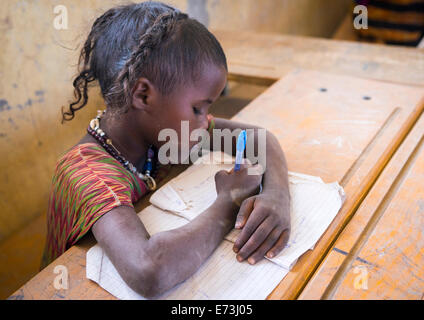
196 111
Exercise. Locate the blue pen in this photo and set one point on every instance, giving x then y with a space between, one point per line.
241 145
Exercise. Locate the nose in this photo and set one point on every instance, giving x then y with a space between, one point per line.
209 119
205 123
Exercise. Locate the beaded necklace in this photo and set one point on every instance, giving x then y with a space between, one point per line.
95 131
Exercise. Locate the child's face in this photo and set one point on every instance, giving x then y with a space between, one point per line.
190 103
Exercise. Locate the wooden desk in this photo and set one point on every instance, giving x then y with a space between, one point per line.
380 255
339 128
264 58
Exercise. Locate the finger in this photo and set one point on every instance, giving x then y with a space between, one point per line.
221 172
244 212
243 166
246 162
265 246
257 170
255 240
280 244
254 220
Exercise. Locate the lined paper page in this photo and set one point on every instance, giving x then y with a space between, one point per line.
223 277
314 205
220 277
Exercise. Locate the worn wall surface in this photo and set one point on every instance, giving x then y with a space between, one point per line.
38 64
300 17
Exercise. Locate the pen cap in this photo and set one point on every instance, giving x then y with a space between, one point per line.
241 141
241 144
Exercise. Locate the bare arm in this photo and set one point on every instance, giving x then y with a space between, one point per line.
152 265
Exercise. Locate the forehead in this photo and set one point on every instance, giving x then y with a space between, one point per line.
208 84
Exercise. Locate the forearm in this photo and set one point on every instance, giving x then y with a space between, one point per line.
276 174
178 253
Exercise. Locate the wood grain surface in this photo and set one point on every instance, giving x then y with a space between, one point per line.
380 255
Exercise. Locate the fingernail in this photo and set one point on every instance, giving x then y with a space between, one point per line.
235 249
238 225
270 254
251 260
239 258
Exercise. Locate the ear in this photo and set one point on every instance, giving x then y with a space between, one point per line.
144 94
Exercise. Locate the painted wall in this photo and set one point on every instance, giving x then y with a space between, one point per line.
300 17
38 63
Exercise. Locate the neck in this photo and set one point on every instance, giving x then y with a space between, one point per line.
127 140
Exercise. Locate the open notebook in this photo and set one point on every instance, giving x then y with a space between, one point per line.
314 204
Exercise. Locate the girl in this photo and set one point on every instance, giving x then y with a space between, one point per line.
156 67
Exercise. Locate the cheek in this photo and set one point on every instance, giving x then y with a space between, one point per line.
185 114
184 131
178 116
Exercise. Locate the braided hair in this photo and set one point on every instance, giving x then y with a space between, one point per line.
148 39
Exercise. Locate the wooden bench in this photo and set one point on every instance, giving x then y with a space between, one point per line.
264 58
379 255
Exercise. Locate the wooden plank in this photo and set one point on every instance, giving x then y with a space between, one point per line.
385 237
264 58
41 287
339 128
394 247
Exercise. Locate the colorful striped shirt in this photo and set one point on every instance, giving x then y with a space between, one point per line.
87 183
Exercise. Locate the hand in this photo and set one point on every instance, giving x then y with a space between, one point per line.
265 223
237 185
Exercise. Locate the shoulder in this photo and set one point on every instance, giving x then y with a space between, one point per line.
89 161
81 151
87 154
86 173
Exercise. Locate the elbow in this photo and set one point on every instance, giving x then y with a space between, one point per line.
146 281
149 283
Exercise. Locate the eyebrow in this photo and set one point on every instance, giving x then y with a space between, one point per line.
206 100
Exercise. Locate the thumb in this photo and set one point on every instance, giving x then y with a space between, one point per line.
243 165
244 212
257 169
